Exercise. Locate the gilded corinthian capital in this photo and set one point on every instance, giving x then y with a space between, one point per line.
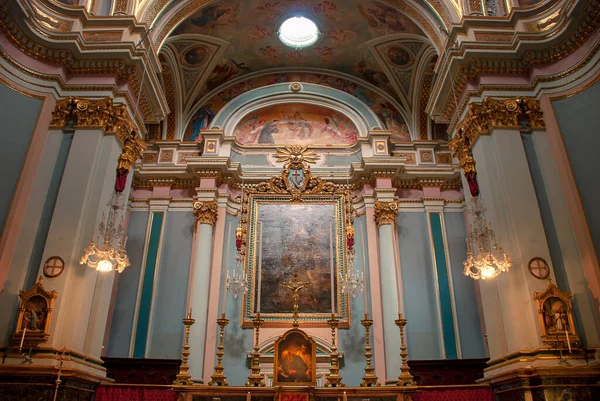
385 212
206 212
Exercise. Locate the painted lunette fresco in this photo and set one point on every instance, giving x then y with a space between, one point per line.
386 111
295 123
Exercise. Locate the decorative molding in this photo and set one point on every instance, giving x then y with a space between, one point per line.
206 212
78 113
477 67
386 212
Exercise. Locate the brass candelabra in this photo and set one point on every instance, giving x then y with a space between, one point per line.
369 379
255 379
183 378
405 378
219 378
333 378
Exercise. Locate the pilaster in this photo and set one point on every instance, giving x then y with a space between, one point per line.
385 217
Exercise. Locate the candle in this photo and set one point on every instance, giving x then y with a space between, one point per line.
331 269
22 338
248 396
568 341
345 398
364 264
227 272
260 232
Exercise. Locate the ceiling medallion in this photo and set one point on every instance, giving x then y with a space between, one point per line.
298 32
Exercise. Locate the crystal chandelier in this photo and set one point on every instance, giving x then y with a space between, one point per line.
110 254
352 283
237 282
485 258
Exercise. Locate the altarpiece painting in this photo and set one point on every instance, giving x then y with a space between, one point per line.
299 233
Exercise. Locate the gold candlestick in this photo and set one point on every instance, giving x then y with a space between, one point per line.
219 378
333 378
369 379
255 379
405 378
183 378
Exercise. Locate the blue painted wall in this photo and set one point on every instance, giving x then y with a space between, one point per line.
420 305
554 245
352 341
121 328
19 115
579 120
465 298
237 340
166 338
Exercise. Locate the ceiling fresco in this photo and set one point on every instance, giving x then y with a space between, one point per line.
372 42
387 112
250 28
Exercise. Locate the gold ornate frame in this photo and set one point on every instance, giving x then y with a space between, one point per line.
313 360
556 317
281 190
35 315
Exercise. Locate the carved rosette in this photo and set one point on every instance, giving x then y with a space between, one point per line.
386 212
206 212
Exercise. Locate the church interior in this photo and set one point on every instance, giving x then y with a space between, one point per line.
299 200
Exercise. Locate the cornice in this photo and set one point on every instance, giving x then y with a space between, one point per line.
473 58
38 28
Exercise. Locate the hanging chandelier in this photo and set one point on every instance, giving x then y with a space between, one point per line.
485 258
351 283
110 252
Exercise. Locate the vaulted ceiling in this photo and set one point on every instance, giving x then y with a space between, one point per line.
380 53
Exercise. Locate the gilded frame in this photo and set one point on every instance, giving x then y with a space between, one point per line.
254 201
283 341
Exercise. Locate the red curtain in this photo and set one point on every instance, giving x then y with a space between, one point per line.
134 394
479 394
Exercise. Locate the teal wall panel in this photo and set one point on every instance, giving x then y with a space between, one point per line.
465 298
166 334
143 320
445 294
418 287
125 302
19 115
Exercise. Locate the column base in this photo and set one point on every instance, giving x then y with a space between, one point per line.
33 376
545 375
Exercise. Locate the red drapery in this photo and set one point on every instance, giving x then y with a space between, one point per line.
479 394
134 394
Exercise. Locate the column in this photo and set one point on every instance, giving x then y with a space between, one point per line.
508 194
81 309
385 217
206 217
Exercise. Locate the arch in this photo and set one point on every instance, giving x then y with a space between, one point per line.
360 114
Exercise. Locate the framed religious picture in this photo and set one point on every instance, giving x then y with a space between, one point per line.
295 230
556 317
295 360
35 315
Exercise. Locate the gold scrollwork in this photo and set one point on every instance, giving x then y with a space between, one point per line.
75 112
206 212
386 212
522 113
